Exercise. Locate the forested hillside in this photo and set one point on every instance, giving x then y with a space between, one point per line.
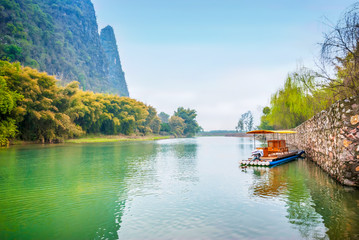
60 37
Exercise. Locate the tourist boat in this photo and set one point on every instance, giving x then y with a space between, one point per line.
274 154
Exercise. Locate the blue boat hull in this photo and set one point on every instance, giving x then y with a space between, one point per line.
287 159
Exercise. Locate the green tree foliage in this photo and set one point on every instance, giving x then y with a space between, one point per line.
108 114
25 30
153 122
177 125
264 125
37 115
51 36
34 106
189 117
297 101
164 117
8 104
165 129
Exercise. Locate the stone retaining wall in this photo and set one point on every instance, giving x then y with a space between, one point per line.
331 139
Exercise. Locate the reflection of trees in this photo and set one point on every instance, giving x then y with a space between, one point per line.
134 167
338 205
246 145
301 212
287 182
186 155
108 174
267 182
83 188
312 199
185 150
242 144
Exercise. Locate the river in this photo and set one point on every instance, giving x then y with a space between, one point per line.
167 189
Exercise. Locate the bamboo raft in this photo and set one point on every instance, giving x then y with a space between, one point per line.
273 160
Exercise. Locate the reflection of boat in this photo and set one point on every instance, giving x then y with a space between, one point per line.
274 154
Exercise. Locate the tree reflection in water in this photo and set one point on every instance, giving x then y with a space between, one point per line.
338 205
310 205
186 156
133 170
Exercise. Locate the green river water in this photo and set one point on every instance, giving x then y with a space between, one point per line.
168 189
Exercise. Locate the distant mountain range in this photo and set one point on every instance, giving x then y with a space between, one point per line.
61 37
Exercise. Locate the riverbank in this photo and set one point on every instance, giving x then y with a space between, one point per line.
98 139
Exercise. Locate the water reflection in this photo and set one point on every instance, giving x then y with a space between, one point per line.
84 188
135 168
175 170
338 205
267 182
145 173
186 159
246 144
310 204
286 182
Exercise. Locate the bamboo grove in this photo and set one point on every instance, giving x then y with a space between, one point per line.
34 108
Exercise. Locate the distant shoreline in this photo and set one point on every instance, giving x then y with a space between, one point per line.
222 133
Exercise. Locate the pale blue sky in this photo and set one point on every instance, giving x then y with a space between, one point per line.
220 57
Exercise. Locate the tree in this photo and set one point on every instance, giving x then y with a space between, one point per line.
249 122
8 104
177 125
38 116
264 125
164 117
240 125
340 51
245 123
189 117
296 102
165 129
34 106
153 122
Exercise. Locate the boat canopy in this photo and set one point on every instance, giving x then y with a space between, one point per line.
285 131
261 132
270 131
